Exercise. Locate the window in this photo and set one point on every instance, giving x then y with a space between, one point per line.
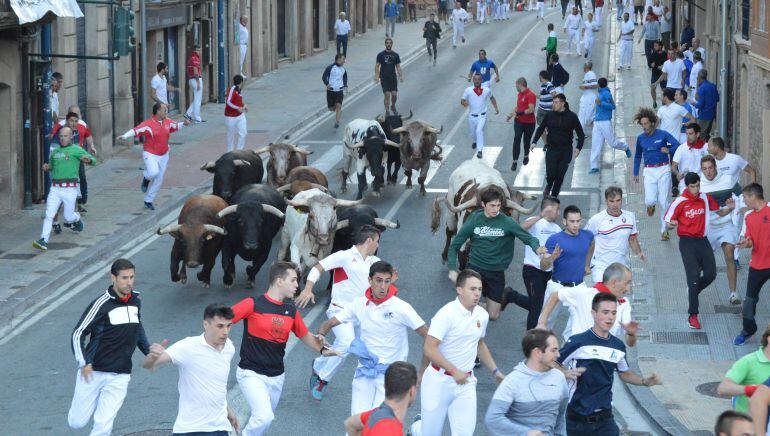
745 19
761 24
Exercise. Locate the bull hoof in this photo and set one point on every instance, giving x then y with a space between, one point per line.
228 286
422 192
183 280
249 283
205 285
375 194
409 186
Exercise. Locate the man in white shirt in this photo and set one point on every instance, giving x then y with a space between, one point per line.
697 65
626 39
342 29
673 72
588 99
690 52
204 367
455 338
475 98
616 280
56 82
243 40
687 157
671 114
572 25
614 231
383 320
458 17
159 85
350 282
589 29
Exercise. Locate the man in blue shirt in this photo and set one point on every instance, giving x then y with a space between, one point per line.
599 354
390 11
688 33
568 255
602 131
655 147
484 68
706 99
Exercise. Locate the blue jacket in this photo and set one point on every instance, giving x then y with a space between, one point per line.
391 9
708 97
649 148
605 106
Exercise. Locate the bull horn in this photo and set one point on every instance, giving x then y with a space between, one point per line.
241 162
272 209
345 203
407 118
470 203
169 228
387 223
284 188
297 203
399 130
392 144
261 150
301 150
530 197
215 229
319 187
516 206
207 166
227 211
358 144
341 225
432 129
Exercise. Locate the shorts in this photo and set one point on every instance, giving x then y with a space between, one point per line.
389 84
333 98
541 113
492 283
654 78
722 234
442 7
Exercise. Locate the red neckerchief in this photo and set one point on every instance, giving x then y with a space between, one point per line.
601 287
126 298
698 144
392 291
478 91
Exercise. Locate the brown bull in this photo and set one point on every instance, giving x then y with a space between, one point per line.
418 146
283 158
304 178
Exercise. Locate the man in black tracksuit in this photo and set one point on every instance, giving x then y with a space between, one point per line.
560 122
113 324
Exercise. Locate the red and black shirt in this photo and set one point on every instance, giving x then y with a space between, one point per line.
692 213
267 324
381 421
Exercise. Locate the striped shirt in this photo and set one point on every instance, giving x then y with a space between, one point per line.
611 235
546 98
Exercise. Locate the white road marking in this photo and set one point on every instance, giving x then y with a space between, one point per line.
532 173
436 190
490 155
328 160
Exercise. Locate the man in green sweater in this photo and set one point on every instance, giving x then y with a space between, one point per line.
64 166
550 46
492 237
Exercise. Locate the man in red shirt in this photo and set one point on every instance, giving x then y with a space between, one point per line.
689 213
757 237
267 321
195 80
235 116
524 123
388 418
156 131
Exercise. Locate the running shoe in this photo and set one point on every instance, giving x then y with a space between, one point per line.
479 155
40 244
434 62
738 266
693 322
654 105
651 210
665 236
526 159
336 125
594 171
477 363
57 228
628 152
149 205
741 338
77 226
188 117
318 390
734 298
82 208
514 165
145 184
473 146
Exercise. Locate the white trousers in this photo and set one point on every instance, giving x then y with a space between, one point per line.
601 133
262 393
243 48
481 12
597 273
587 110
657 187
626 52
194 110
550 288
458 32
236 132
368 393
588 45
541 10
56 197
573 35
476 130
154 170
327 366
101 397
440 396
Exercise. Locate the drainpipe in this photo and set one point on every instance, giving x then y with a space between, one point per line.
221 82
723 71
27 129
143 61
45 49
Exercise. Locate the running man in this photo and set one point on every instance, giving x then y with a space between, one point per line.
603 130
455 338
458 17
475 98
524 121
335 77
517 409
492 236
687 157
572 25
159 86
587 110
689 213
351 271
545 103
655 61
156 132
746 374
204 367
654 146
626 39
382 319
81 136
195 81
589 31
387 65
268 320
113 325
484 67
388 418
550 46
235 116
614 231
431 31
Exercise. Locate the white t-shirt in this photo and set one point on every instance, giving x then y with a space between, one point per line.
243 34
542 230
383 326
625 28
160 85
696 67
689 53
578 301
611 234
459 331
55 104
732 164
203 373
590 28
573 22
459 17
477 103
351 280
590 79
671 118
688 158
674 70
342 27
721 182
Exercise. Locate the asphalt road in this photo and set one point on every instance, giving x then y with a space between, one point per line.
38 366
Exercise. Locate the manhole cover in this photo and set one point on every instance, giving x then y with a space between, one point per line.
153 432
19 256
61 245
709 389
723 308
688 338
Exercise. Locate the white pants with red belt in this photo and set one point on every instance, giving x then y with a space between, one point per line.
262 393
441 396
243 48
657 187
476 129
101 397
154 170
326 366
573 35
194 110
57 196
236 132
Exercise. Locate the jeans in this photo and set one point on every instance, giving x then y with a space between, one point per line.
699 267
342 43
431 44
522 129
83 184
557 161
390 21
607 427
413 12
535 280
757 279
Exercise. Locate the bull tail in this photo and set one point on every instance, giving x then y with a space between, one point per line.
436 210
437 153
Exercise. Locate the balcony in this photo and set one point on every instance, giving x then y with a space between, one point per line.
8 19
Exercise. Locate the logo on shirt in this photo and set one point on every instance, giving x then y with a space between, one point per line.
613 356
692 213
389 315
488 231
478 324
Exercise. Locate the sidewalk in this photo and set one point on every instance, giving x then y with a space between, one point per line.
115 210
690 362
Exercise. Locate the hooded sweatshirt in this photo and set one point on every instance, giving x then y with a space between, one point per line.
529 400
560 128
605 106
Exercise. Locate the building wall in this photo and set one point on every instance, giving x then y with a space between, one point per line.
11 165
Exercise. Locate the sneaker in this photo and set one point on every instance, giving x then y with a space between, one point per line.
187 117
665 236
654 105
77 226
68 225
693 322
594 171
473 146
628 153
738 266
506 291
741 338
477 363
145 184
40 244
675 191
57 228
526 159
479 155
336 125
514 165
734 298
82 208
318 390
314 379
434 62
651 210
199 121
149 205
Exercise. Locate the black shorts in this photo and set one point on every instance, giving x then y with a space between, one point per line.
492 283
442 7
654 78
333 98
389 84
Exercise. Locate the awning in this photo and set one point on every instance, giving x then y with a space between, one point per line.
30 11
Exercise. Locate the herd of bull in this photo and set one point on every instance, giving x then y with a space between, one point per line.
243 216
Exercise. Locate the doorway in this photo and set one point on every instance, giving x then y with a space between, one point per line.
174 76
331 18
316 24
281 29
